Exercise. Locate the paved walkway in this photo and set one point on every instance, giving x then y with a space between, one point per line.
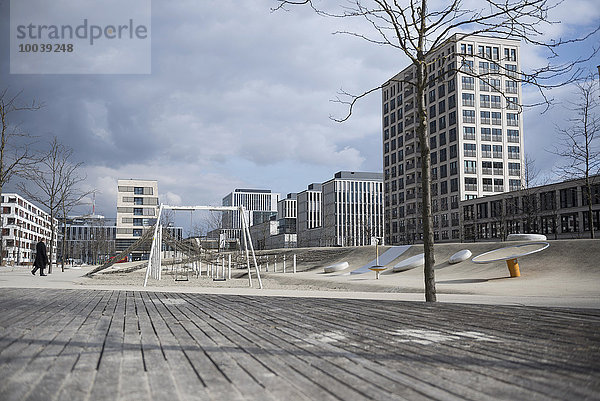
129 345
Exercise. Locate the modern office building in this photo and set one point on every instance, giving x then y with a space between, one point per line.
89 239
309 223
559 211
23 225
260 205
346 210
137 209
475 127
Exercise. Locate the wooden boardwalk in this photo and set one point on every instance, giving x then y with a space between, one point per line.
129 345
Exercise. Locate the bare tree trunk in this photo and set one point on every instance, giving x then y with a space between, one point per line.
430 293
588 190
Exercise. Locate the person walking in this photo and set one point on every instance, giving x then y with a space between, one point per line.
41 258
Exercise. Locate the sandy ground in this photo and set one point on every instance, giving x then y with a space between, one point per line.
565 274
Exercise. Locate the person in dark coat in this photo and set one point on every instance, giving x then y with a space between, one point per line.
41 258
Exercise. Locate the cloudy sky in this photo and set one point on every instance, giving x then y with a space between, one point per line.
238 97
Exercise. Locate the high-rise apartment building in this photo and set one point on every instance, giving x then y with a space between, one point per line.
476 134
137 208
346 210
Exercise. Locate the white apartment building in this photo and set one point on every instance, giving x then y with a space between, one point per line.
137 208
23 225
476 134
260 205
309 221
344 211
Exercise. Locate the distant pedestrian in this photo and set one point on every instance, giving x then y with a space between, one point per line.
41 258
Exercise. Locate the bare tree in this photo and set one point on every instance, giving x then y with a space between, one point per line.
529 194
415 28
15 154
54 180
579 145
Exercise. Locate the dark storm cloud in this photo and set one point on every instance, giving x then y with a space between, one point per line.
238 96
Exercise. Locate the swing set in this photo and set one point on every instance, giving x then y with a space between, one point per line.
193 254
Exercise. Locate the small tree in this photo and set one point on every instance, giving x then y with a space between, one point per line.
579 146
54 180
15 147
529 194
416 29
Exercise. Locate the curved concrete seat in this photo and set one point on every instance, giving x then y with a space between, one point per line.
410 263
526 237
460 256
336 267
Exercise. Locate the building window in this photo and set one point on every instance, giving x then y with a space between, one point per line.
469 116
452 133
511 86
453 168
510 54
486 134
138 211
496 118
469 133
514 185
487 185
468 99
568 197
484 85
514 169
486 150
486 168
138 201
138 190
470 184
468 83
452 102
497 151
485 117
442 155
498 168
498 185
453 151
512 103
484 100
513 152
137 232
512 119
470 149
470 167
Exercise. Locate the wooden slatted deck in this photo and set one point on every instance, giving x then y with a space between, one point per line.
130 345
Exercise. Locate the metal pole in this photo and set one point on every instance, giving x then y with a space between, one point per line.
243 217
156 225
294 263
254 256
229 266
284 263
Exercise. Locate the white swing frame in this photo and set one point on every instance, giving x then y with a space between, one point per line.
154 261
